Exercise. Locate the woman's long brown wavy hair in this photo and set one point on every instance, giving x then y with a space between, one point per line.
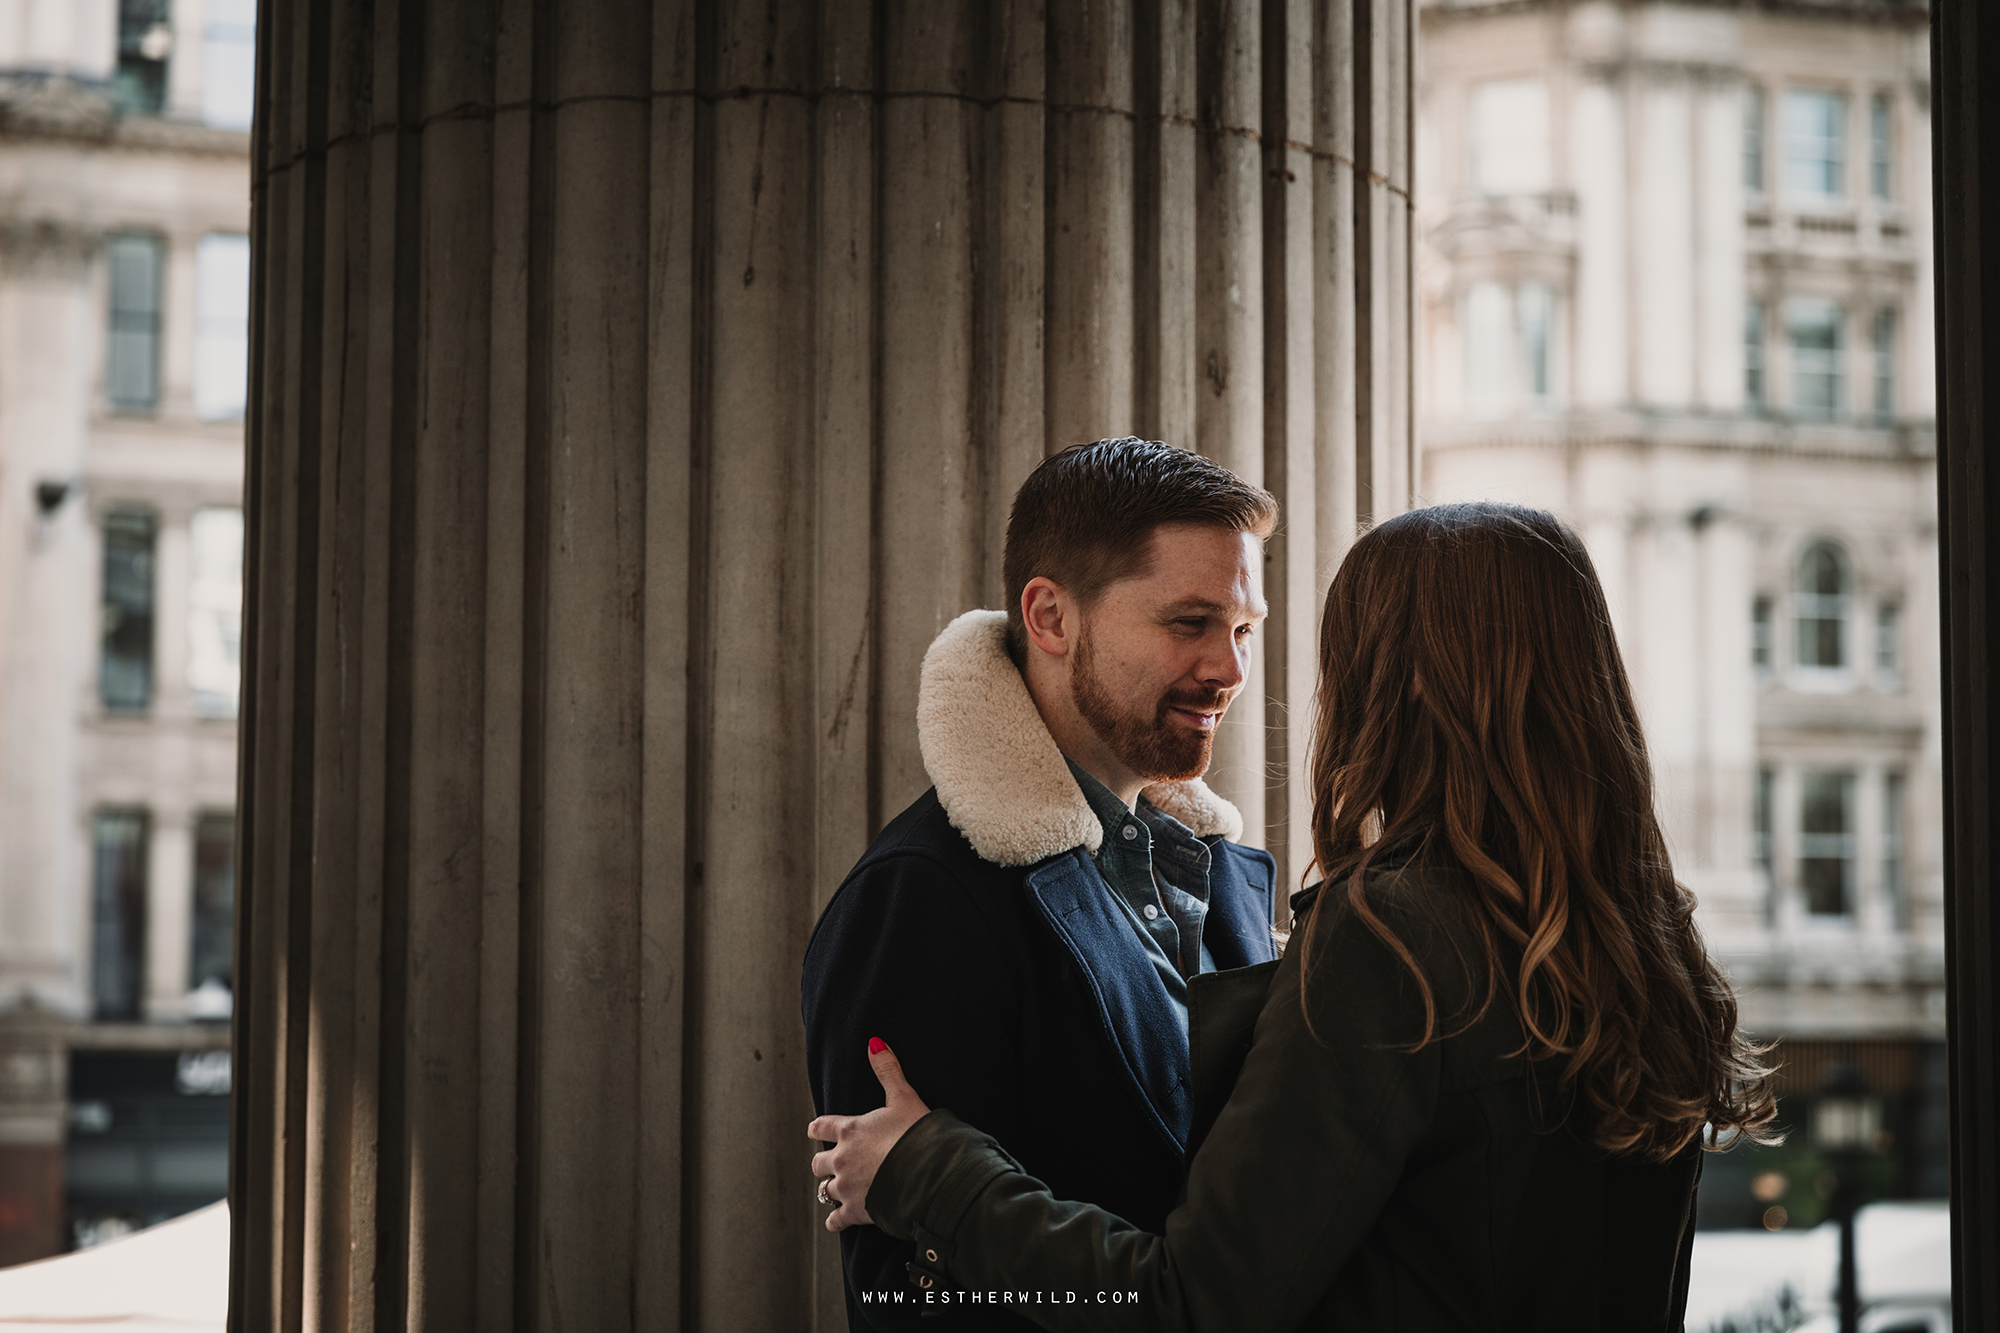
1472 698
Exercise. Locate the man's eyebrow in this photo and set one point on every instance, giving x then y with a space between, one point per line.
1203 606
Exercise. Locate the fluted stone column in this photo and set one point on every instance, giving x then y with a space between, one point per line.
637 389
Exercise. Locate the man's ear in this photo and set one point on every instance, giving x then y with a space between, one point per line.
1049 617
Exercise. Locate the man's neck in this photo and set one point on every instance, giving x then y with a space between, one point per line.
1048 686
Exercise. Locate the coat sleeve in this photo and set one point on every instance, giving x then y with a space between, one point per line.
903 953
1300 1163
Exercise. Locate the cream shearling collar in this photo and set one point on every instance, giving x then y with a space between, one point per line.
999 775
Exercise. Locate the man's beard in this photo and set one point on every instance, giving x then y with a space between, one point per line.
1152 747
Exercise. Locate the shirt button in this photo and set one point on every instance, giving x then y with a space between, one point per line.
1150 911
1130 833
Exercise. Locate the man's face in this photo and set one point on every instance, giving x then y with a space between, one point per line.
1160 655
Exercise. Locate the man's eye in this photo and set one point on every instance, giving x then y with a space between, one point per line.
1197 625
1244 631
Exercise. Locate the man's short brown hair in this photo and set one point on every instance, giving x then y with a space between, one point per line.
1085 517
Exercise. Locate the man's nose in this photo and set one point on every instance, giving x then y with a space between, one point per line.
1227 666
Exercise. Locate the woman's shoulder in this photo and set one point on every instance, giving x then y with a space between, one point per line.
1416 910
1418 888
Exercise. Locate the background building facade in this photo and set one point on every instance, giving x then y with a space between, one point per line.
124 272
1676 284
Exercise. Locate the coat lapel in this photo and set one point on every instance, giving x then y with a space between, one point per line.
1133 1007
1238 931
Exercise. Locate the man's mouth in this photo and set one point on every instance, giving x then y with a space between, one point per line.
1199 717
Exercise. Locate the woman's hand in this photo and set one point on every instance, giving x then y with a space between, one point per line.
847 1169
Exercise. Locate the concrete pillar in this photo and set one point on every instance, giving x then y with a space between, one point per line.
51 329
169 911
1664 238
173 561
1091 208
178 290
637 388
1916 381
1598 164
1734 893
1229 322
1719 284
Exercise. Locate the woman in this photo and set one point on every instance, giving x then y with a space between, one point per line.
1483 1073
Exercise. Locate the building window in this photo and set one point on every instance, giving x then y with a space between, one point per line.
1826 841
1892 847
1488 337
1815 328
1760 836
1889 639
221 326
125 664
1820 603
1510 137
145 40
1753 140
1535 307
1753 356
118 914
228 64
1509 348
215 610
1815 144
132 355
1882 337
213 938
1760 633
1878 147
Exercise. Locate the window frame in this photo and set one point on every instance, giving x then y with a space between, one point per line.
1756 357
126 904
127 325
140 699
1881 149
209 597
1756 141
1894 847
222 42
1838 847
1833 167
1810 606
1477 165
212 328
1521 346
1882 328
143 72
1763 836
1886 655
212 901
1763 635
1834 373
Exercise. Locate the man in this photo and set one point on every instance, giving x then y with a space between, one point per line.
1022 935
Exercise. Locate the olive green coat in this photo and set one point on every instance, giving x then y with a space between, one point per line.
1348 1183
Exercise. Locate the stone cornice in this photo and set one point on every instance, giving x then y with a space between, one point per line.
1914 439
54 108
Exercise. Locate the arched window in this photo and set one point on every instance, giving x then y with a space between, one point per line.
1820 604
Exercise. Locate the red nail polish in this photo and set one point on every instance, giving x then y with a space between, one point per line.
876 1046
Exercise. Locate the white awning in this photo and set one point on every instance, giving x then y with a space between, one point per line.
171 1278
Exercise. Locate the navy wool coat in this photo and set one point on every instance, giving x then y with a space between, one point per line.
977 938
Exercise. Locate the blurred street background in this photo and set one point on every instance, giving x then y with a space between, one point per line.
1676 284
1676 276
